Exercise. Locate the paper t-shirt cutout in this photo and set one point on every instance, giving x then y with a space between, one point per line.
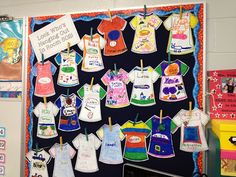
92 52
112 31
172 86
145 38
68 74
192 130
44 86
135 144
143 92
160 144
62 162
86 159
111 152
117 96
38 162
46 121
180 38
68 112
91 108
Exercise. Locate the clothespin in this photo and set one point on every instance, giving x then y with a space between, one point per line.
110 123
161 116
91 33
141 63
135 119
45 101
67 93
110 16
5 18
180 11
115 68
37 148
86 133
42 58
145 11
68 49
61 142
190 108
91 83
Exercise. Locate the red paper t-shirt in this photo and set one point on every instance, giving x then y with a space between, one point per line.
112 31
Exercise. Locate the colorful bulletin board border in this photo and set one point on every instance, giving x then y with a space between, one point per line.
198 70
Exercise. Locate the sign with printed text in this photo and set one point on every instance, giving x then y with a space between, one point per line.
2 158
2 132
2 170
54 37
2 144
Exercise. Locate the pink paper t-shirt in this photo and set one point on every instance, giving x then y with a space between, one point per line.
117 96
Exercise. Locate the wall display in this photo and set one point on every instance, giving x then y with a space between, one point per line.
178 79
222 86
11 35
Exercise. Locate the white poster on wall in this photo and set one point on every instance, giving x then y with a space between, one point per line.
54 37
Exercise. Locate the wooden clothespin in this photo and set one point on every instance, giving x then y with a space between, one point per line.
67 93
161 116
61 142
110 123
68 49
86 133
190 108
5 18
141 64
37 148
45 101
110 16
115 68
180 11
145 11
136 119
42 58
91 83
91 33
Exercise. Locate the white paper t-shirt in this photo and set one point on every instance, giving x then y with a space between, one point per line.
86 159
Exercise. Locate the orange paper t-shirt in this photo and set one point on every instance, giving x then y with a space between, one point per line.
112 31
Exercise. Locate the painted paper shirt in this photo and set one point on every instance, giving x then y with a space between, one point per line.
112 31
68 74
62 162
46 119
143 92
172 85
38 162
111 152
160 144
145 38
117 96
135 144
92 52
180 38
44 86
86 158
91 108
192 130
68 112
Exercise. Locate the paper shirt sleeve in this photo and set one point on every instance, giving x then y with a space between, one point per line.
34 70
173 127
125 76
97 142
37 110
81 44
204 118
168 23
158 69
78 58
101 27
155 21
121 23
76 142
47 157
184 68
149 123
155 75
147 130
58 58
29 156
80 92
55 109
52 151
134 23
123 128
71 151
178 118
58 102
78 102
100 133
102 93
53 68
105 78
193 20
132 75
102 42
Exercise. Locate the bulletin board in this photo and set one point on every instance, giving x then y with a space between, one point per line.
183 163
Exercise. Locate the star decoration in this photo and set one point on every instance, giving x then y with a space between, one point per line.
215 79
224 115
219 95
232 115
218 86
213 91
214 108
220 105
215 74
217 115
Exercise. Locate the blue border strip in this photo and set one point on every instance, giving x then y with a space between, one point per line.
160 13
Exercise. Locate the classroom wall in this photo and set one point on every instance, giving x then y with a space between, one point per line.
221 50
